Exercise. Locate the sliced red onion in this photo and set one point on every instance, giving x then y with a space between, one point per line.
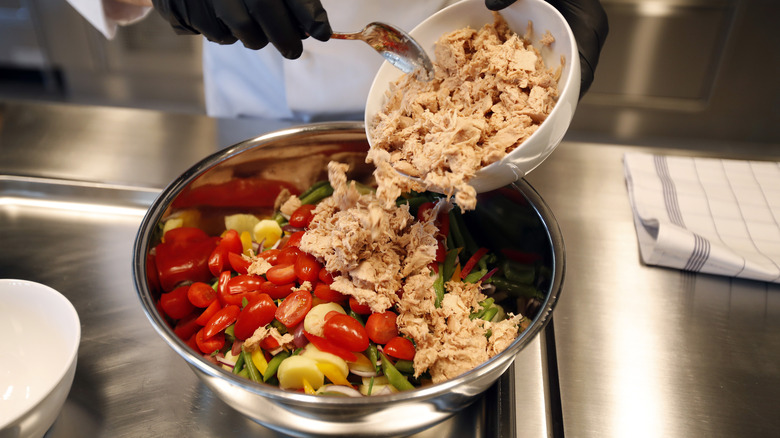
489 274
236 349
299 339
223 361
341 389
363 373
290 229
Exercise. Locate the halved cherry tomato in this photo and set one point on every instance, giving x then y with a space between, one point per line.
218 260
277 291
360 309
258 312
281 274
294 308
346 332
221 320
325 276
302 216
187 326
307 268
270 255
238 263
209 312
176 304
287 256
400 348
231 240
382 327
209 345
269 343
201 294
294 240
325 345
239 287
183 256
325 293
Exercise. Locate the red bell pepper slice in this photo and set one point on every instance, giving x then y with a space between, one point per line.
472 261
239 192
183 256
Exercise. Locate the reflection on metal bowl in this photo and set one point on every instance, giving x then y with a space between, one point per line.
513 219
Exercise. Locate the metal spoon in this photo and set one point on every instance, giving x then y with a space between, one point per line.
400 49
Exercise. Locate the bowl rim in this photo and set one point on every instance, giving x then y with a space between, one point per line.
72 318
163 200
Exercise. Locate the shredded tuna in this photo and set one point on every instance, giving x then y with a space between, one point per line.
490 92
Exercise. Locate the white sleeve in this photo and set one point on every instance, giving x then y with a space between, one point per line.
107 15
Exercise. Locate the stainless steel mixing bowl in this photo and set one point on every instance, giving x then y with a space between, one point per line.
513 218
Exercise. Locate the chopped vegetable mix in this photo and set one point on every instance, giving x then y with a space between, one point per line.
251 301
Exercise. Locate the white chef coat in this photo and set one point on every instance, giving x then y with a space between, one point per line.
329 81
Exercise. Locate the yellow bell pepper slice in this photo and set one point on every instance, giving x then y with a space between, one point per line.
307 388
258 358
333 373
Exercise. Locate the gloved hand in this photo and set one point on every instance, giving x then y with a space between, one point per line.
588 22
283 23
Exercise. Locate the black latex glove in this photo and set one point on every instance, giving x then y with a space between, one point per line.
588 22
283 23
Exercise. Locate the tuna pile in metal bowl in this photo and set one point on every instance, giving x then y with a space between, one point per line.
513 222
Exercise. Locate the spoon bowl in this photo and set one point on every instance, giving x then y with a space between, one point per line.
396 46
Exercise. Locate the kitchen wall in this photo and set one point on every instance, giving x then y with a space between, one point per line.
690 71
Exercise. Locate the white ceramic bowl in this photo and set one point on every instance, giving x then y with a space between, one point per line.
39 343
473 13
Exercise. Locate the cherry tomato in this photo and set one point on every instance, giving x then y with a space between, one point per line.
325 276
307 268
381 327
258 312
231 240
209 345
176 304
325 345
346 332
325 293
400 348
269 343
209 312
302 216
183 256
281 274
294 240
294 308
270 255
218 260
360 309
443 222
201 294
237 288
238 263
152 277
187 326
276 291
287 256
221 320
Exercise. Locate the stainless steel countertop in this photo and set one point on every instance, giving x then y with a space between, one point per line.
638 350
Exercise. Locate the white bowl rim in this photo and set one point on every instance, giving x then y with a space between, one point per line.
72 315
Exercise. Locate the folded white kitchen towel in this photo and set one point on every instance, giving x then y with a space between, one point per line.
707 215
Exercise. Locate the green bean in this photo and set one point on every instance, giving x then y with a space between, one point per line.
404 366
394 376
312 188
515 289
363 189
372 354
281 328
438 287
450 260
279 218
490 313
414 203
239 363
468 241
357 316
518 273
243 373
457 236
273 365
317 194
475 276
254 374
